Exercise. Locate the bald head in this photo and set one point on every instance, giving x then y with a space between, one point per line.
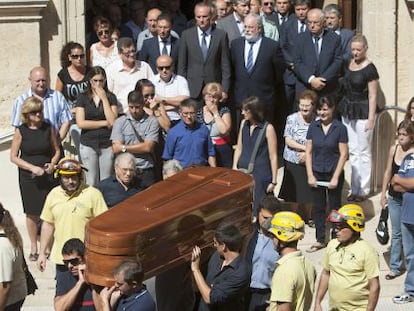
165 67
152 16
38 81
316 23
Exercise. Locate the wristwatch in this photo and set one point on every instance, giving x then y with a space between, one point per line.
123 148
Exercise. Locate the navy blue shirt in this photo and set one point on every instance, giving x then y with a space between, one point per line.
325 148
114 193
65 281
228 285
407 171
140 301
189 145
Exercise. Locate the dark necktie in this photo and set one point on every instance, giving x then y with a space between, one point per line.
282 20
204 47
164 48
302 27
249 64
316 42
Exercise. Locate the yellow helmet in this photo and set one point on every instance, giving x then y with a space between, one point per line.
287 226
352 214
68 166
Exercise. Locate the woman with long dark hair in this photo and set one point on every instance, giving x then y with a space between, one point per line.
12 277
96 112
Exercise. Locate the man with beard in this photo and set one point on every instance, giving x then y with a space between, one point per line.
72 291
66 211
293 282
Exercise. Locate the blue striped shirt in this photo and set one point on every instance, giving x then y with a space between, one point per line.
56 109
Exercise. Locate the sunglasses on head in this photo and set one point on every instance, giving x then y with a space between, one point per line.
73 261
101 32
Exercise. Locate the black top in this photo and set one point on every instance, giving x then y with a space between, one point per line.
96 138
71 88
228 285
65 281
394 170
354 89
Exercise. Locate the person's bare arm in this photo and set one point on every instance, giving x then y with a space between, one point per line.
212 161
238 149
272 147
198 276
374 290
46 236
145 147
309 170
402 184
372 104
322 289
343 156
387 176
65 302
59 85
4 293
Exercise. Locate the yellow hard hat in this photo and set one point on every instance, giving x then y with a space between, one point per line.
287 226
352 214
68 166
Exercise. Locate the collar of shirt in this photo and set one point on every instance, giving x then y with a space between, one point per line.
159 80
196 126
168 41
291 255
119 66
128 299
237 19
338 31
200 32
142 119
49 93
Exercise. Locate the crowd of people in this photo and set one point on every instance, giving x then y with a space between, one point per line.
155 92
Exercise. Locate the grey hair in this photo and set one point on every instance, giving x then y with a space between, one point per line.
171 165
124 156
333 8
258 18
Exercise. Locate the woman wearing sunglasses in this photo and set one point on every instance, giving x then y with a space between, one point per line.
103 52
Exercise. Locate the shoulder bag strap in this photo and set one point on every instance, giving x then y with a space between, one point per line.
259 140
140 139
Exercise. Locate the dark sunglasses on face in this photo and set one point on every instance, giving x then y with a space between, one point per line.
35 112
106 32
164 67
73 261
77 56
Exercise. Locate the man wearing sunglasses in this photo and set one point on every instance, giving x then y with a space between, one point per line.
72 291
350 265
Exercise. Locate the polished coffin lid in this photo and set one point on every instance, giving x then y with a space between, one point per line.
161 225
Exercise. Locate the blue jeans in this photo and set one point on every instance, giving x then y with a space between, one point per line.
394 209
98 162
407 231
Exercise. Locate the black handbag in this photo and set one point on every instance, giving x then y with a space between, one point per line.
30 281
382 229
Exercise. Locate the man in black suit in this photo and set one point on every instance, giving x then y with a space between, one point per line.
333 20
258 74
204 54
318 58
162 44
282 12
288 33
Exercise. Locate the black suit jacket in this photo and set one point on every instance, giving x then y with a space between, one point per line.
216 67
328 65
151 51
265 76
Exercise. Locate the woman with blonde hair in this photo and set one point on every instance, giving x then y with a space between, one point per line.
12 277
35 151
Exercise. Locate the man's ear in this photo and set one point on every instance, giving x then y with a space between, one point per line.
134 284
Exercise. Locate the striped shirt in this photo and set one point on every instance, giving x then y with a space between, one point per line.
56 109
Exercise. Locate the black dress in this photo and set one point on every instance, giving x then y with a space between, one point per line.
354 90
36 148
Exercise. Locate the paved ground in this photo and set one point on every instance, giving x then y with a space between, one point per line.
43 300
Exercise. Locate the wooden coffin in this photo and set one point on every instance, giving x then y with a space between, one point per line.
161 225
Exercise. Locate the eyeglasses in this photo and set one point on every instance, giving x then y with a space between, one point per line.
149 95
161 68
101 32
34 112
77 56
131 52
73 261
188 114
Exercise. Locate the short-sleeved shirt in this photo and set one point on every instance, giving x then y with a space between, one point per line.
228 284
293 281
121 82
140 301
177 86
325 148
189 145
115 193
56 110
95 138
147 127
65 281
350 268
295 129
407 171
11 270
70 214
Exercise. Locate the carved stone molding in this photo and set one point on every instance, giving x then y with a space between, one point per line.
21 10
